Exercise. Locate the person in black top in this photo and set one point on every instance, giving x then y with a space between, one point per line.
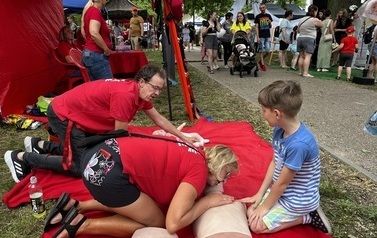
211 27
227 38
263 25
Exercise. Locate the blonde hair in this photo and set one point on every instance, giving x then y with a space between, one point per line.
220 156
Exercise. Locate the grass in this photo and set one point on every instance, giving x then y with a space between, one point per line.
348 198
330 75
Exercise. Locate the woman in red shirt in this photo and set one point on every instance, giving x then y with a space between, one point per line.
156 175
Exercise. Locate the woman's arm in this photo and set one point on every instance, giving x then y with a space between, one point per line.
166 125
94 28
183 209
318 23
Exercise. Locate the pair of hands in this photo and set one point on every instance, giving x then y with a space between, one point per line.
192 138
255 213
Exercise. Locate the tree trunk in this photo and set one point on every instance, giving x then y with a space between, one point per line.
336 5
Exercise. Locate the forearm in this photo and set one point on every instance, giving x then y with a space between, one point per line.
177 223
276 191
267 179
167 126
97 38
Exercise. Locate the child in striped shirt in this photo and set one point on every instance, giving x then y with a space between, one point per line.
289 194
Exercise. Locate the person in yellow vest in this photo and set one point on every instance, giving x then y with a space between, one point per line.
136 29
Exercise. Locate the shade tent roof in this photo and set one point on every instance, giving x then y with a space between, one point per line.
76 5
122 9
117 9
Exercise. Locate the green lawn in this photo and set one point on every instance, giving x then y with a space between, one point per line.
348 198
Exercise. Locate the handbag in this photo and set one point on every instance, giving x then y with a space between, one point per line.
327 37
334 45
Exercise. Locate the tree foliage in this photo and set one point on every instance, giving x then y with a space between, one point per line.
203 7
336 5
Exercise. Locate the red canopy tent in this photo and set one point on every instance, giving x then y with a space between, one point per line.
28 69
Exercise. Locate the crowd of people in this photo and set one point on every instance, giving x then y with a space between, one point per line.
92 120
311 41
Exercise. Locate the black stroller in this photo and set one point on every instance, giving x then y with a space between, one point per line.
244 55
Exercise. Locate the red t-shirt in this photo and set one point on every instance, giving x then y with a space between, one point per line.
95 14
95 106
349 44
64 48
157 167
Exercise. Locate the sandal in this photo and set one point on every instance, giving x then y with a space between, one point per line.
71 229
58 209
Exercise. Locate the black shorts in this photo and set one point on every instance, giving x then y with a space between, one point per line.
345 60
102 173
283 45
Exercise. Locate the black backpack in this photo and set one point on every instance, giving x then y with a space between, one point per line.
367 38
277 32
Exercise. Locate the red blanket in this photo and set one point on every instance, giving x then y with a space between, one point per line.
254 156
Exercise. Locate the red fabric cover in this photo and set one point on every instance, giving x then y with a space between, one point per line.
28 68
127 62
254 156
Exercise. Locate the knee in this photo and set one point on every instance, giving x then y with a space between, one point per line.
258 230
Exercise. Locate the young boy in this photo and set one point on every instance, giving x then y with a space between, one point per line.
289 194
347 47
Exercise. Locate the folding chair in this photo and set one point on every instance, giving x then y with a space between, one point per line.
69 69
76 58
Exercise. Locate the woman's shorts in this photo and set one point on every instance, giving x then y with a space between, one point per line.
102 173
211 42
345 60
306 44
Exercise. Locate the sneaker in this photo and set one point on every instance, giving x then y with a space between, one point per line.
216 67
226 67
31 145
319 70
320 221
17 167
294 69
325 70
337 77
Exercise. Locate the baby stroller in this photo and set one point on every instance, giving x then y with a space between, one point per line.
244 55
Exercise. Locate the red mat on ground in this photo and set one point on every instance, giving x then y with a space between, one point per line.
254 156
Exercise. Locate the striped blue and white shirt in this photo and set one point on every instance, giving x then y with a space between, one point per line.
298 152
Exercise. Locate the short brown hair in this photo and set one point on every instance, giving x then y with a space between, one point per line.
285 96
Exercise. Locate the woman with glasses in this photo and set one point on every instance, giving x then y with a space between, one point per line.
144 182
92 108
95 55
